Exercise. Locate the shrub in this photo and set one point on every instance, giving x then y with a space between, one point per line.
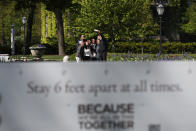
70 46
153 47
119 47
51 49
52 46
5 49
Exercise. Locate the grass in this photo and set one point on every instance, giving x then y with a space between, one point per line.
118 57
52 57
44 57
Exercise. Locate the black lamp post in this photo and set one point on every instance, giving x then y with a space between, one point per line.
160 11
24 20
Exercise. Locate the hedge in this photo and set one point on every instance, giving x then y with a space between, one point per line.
52 46
152 48
6 48
53 49
119 47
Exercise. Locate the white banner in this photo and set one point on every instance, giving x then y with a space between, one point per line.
158 96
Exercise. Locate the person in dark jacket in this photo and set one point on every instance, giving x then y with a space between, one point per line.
98 51
102 46
82 38
80 52
78 48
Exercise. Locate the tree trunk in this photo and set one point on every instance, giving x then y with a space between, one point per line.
30 25
60 31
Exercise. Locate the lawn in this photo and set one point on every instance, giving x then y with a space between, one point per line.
146 57
31 58
117 57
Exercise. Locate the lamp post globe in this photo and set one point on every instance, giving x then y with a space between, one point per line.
160 11
24 20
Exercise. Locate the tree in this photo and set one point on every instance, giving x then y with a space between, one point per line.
29 5
189 25
118 19
58 7
6 15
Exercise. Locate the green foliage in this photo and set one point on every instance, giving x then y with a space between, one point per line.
190 20
51 40
25 4
6 20
32 12
174 2
51 24
52 46
58 7
5 49
10 14
52 5
36 27
43 24
52 58
70 46
49 15
152 48
117 19
51 49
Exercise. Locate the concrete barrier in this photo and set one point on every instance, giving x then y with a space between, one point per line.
4 58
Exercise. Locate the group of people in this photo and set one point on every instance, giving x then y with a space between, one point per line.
94 49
